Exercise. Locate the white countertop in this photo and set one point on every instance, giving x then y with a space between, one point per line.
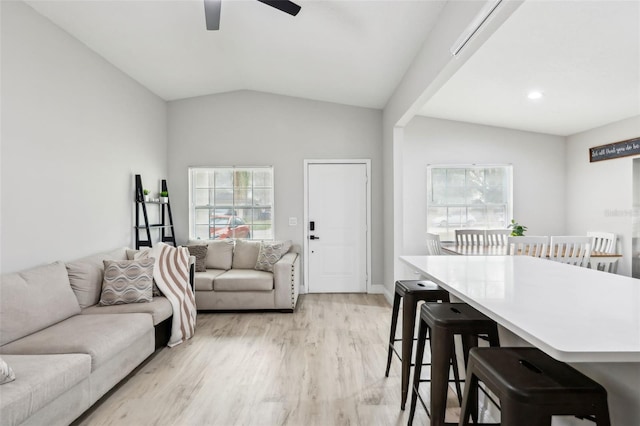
573 314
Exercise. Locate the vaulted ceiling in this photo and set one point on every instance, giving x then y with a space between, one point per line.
349 52
583 55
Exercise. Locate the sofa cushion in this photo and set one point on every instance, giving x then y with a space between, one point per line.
41 379
270 253
127 281
86 275
159 308
204 280
219 254
244 280
245 254
34 299
6 372
199 251
101 336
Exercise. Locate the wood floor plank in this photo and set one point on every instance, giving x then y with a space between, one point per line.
322 365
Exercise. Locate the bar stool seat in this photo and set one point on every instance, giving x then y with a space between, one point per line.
445 320
532 387
411 292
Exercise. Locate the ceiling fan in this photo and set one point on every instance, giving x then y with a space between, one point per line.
212 10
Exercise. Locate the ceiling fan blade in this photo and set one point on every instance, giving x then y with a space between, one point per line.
284 5
212 14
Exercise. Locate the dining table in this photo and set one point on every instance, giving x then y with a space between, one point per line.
587 318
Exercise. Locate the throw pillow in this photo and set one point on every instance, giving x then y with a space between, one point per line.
219 254
6 373
270 253
127 281
245 254
200 253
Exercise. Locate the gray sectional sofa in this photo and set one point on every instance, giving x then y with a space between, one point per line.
231 281
67 351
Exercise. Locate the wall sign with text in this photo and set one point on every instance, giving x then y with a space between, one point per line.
615 150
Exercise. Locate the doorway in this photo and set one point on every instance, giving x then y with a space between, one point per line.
337 226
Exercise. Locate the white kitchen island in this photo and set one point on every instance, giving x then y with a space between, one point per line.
588 318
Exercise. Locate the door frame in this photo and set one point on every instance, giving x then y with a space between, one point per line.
305 249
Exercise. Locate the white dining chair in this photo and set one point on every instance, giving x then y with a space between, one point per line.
527 246
433 245
496 237
470 237
573 250
604 242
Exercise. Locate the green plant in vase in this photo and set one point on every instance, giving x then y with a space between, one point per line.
517 230
146 195
164 197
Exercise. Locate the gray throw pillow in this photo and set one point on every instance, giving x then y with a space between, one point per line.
6 373
127 281
270 253
200 253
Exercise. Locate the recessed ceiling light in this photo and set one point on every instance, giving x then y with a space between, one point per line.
534 94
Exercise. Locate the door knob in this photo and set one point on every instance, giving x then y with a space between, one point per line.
313 237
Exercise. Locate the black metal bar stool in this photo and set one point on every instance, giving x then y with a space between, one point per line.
444 321
411 292
532 387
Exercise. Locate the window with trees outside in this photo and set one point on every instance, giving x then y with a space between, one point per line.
231 202
468 197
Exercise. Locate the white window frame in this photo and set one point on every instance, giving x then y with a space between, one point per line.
447 233
193 207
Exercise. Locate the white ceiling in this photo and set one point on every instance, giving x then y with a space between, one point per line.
584 56
349 52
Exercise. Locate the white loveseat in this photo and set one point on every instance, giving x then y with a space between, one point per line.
231 281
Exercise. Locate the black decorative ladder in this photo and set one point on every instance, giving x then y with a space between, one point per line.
166 218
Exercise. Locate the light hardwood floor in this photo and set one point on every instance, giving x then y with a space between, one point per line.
322 365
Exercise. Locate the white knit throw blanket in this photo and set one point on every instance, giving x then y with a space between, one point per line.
171 274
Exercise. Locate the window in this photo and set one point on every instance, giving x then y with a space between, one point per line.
231 202
472 196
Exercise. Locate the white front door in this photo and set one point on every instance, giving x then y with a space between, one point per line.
337 227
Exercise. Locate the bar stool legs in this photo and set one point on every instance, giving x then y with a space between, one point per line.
411 292
444 321
392 335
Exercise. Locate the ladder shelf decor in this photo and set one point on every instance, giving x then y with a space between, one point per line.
166 219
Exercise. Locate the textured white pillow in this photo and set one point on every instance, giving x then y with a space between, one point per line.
270 253
6 373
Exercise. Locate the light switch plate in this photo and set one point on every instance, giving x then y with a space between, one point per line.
293 221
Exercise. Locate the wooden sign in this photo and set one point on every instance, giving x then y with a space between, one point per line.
615 150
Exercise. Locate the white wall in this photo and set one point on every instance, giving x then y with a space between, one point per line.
431 68
74 131
600 194
538 172
248 128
